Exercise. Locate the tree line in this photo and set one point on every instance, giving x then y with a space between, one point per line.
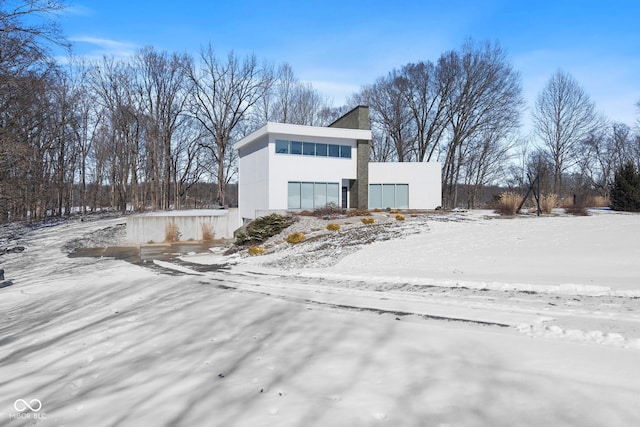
156 130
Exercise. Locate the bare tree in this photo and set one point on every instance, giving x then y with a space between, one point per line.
114 84
485 98
223 93
603 152
564 116
390 114
27 29
163 89
291 101
423 94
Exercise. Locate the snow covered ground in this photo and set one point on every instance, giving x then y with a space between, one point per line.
454 319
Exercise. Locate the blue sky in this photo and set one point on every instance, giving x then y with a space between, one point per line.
339 46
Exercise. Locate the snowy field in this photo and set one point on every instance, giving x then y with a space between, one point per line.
459 319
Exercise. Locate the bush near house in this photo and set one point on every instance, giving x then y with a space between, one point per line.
625 190
296 237
262 228
358 212
400 217
367 220
330 210
256 250
333 227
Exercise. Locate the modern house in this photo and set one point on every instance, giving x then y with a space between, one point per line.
294 167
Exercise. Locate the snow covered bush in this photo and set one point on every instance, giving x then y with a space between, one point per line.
296 237
333 227
367 220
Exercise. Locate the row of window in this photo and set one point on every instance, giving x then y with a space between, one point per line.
312 195
389 196
312 149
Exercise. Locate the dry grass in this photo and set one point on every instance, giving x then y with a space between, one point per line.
593 201
565 203
256 250
576 210
296 237
367 220
508 203
333 227
171 232
358 212
548 202
400 217
207 232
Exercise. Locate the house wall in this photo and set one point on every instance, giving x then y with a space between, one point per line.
253 168
424 179
288 167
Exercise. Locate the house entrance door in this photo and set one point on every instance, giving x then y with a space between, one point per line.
344 197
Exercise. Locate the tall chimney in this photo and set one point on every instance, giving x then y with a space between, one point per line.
358 118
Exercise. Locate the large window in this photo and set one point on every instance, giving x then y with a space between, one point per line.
384 196
313 149
312 195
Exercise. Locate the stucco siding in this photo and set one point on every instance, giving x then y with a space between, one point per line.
253 186
424 179
290 167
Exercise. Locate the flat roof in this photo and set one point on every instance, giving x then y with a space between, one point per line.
302 131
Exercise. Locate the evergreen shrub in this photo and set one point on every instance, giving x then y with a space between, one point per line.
625 190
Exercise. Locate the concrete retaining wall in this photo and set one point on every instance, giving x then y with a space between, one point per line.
151 227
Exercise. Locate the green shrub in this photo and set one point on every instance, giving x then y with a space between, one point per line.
296 237
625 190
333 227
262 228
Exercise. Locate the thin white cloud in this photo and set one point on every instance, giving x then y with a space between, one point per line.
78 10
97 47
337 92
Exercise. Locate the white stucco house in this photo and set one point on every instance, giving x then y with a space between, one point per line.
293 167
